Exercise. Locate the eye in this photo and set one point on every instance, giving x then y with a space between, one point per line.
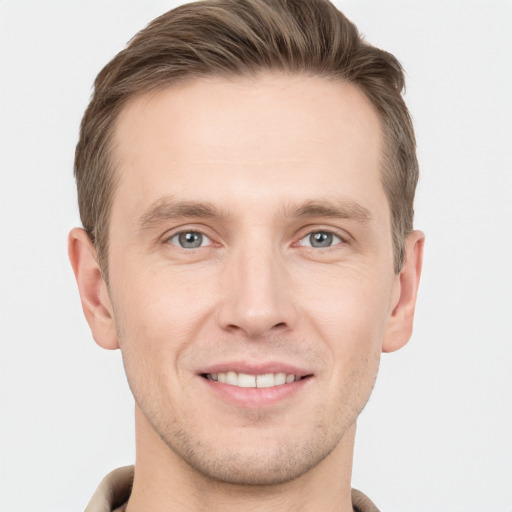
320 239
190 240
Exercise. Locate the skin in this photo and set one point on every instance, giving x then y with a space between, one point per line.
275 158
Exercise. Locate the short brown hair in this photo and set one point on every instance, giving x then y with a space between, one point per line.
231 38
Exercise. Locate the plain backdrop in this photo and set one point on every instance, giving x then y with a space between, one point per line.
437 432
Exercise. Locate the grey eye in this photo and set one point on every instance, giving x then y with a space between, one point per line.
190 240
320 239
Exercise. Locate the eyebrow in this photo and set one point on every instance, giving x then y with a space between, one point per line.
167 208
337 209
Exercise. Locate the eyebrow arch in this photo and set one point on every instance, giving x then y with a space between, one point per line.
339 209
168 208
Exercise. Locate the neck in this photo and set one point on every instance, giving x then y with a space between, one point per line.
165 482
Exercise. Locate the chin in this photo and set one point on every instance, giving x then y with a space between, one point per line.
267 462
257 470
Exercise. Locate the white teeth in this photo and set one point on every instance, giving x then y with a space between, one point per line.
244 380
232 378
280 378
265 381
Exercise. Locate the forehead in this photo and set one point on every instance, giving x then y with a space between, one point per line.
274 135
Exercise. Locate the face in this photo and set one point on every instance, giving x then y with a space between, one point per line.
251 269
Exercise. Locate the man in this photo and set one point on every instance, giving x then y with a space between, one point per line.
246 174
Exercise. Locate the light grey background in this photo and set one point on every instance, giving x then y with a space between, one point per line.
436 435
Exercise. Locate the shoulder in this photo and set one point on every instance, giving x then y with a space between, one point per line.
362 503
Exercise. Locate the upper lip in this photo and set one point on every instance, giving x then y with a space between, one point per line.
255 368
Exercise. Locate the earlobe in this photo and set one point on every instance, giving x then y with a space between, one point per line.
399 329
93 289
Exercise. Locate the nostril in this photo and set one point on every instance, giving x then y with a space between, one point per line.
233 327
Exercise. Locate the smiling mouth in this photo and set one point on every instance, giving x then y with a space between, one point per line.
244 380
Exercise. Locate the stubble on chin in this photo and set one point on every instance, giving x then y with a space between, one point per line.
267 461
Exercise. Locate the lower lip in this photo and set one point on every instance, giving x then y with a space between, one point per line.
256 397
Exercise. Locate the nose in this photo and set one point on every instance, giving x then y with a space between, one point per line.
257 294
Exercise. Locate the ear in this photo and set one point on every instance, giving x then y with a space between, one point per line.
93 289
399 328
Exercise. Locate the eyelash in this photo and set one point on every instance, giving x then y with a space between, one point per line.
327 232
189 231
330 233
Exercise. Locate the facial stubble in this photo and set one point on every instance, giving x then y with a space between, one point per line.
265 462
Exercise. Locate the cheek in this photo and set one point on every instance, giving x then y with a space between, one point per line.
349 303
348 313
158 316
161 303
